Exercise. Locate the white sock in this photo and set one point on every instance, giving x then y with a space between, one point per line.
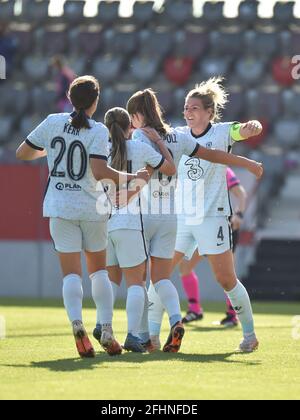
135 307
156 311
144 327
73 295
170 299
115 288
241 304
102 293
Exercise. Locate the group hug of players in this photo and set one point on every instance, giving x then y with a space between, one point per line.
113 193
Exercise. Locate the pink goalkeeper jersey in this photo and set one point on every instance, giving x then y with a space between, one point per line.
232 180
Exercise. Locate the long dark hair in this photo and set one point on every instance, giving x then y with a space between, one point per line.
117 120
145 102
83 92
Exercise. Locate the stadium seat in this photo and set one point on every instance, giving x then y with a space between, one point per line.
51 40
288 102
36 68
22 32
78 63
194 41
143 12
234 109
73 11
178 12
42 99
287 132
157 42
248 12
19 101
228 42
121 40
35 12
144 67
284 12
107 67
214 65
88 39
282 71
7 13
213 12
250 70
270 105
28 122
6 124
108 12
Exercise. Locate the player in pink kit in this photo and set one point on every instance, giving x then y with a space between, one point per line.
190 279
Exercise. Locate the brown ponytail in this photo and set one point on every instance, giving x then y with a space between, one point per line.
145 102
117 120
83 92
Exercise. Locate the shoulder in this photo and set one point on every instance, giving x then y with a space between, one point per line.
99 128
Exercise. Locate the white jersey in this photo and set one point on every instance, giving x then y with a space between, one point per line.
72 189
158 198
211 176
139 155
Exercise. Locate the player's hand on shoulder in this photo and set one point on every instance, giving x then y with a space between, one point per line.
152 134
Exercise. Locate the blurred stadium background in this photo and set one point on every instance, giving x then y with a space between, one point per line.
167 45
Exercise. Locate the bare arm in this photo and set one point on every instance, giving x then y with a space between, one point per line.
223 158
237 219
168 167
25 152
102 171
240 193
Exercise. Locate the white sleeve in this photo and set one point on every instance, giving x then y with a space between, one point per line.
189 145
138 135
152 157
100 148
38 138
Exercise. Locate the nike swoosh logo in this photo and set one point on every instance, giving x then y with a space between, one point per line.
220 244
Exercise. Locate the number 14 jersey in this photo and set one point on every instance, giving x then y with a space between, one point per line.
72 190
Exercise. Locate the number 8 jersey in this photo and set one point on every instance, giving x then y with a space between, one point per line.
72 191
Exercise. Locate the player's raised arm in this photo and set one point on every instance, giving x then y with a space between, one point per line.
223 158
240 132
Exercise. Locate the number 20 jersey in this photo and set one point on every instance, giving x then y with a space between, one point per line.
211 175
72 189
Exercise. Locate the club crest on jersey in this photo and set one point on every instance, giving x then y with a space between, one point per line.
209 145
195 172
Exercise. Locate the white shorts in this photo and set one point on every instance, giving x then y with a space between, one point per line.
78 235
211 237
126 248
160 237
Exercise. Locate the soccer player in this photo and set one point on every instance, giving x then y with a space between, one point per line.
160 219
126 243
77 149
189 278
212 233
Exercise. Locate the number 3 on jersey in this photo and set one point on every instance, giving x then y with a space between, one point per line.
70 159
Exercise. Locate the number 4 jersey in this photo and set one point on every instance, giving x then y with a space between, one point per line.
72 190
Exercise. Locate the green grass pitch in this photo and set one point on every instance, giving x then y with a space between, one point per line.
38 359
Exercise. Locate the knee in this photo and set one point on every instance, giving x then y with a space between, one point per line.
227 280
